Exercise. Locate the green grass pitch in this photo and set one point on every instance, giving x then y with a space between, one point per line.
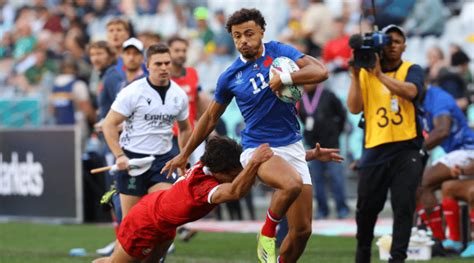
26 242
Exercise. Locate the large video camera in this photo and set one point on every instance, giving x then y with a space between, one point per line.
366 46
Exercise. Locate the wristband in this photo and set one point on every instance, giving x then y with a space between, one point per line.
120 155
286 79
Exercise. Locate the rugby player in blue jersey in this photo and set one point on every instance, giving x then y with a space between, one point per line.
448 128
268 120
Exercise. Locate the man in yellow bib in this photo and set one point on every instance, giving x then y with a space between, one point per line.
387 95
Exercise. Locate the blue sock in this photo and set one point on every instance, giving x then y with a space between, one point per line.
117 207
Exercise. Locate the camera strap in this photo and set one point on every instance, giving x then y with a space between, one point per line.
310 107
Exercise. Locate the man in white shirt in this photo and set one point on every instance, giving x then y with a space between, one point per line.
147 108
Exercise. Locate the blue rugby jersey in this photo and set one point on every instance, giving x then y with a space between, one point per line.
438 102
267 118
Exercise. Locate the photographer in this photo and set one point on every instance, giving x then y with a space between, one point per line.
391 160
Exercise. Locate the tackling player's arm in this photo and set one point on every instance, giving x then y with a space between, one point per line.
110 128
442 127
246 178
203 128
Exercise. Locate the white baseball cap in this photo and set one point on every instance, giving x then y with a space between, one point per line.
133 42
392 27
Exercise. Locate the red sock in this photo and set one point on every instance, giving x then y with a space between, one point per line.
271 222
471 215
279 260
435 223
422 214
451 214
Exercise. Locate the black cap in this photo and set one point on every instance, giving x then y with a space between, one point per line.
394 28
459 58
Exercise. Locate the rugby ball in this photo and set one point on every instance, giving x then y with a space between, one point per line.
289 93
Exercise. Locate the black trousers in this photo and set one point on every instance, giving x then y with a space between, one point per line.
401 175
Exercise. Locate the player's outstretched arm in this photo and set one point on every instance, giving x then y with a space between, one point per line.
244 181
324 154
204 127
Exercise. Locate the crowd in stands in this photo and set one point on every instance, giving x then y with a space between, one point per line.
45 42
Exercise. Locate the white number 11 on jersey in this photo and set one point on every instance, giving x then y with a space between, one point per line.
256 89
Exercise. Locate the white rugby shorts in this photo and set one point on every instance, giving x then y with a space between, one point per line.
294 154
457 158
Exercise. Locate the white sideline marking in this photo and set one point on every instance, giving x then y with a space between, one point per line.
331 227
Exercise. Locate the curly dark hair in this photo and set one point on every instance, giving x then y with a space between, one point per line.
245 15
222 155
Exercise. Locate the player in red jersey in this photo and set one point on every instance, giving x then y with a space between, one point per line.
150 227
